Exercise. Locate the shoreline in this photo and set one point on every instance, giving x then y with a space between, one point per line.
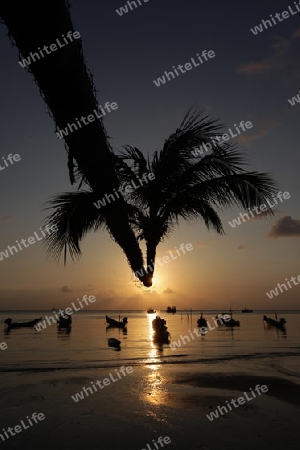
165 361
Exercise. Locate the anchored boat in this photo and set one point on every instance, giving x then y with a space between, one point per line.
64 321
201 321
115 323
113 342
231 323
275 323
161 334
11 324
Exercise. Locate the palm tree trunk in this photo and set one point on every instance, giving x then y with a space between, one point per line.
151 253
67 88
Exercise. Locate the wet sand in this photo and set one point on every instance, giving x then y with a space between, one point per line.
153 401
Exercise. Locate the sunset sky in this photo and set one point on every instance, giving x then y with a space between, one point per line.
251 78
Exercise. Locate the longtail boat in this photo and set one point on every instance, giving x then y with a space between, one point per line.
201 321
115 323
231 323
161 334
275 323
113 342
64 322
11 324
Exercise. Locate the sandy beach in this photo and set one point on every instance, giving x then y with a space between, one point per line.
153 401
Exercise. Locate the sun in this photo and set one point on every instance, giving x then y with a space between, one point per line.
155 282
139 284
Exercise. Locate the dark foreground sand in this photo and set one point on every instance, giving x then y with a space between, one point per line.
153 401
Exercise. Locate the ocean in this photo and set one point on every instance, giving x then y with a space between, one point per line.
86 345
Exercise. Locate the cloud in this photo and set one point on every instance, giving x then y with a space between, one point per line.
66 289
9 217
168 291
283 59
296 33
199 244
285 227
268 125
108 293
256 68
87 288
282 52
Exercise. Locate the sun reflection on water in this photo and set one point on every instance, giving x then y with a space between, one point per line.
153 383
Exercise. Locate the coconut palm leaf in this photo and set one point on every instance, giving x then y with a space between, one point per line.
140 165
75 215
192 187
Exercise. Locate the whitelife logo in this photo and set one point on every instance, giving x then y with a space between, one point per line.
124 9
292 101
263 207
64 312
199 333
53 47
187 66
11 158
128 189
106 381
165 259
217 140
160 441
31 240
274 292
3 346
241 400
36 417
71 127
267 23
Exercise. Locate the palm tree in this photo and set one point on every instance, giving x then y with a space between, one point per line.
185 187
67 87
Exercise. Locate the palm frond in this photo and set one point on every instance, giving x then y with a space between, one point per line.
197 187
193 208
195 129
224 185
247 190
75 215
139 161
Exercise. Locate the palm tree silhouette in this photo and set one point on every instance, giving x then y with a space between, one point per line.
67 87
184 186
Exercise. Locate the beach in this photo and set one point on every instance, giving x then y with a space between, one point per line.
155 400
108 398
